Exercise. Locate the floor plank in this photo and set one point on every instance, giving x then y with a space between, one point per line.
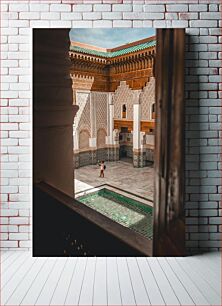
10 261
110 281
75 286
86 294
126 289
49 287
21 290
180 291
113 286
100 283
17 278
35 289
61 290
13 269
153 290
213 279
166 289
137 282
208 292
190 286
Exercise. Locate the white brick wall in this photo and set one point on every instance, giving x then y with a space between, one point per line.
203 105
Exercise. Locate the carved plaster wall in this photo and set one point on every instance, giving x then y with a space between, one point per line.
123 95
147 99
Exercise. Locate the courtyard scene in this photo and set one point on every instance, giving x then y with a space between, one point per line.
114 87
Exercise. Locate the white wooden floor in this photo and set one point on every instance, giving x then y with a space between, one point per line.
110 281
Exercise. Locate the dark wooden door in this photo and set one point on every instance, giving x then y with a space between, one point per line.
169 228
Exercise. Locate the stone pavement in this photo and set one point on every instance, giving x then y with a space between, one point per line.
120 174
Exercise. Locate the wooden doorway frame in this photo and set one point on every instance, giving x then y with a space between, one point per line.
169 219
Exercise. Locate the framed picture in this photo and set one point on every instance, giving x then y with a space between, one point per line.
103 196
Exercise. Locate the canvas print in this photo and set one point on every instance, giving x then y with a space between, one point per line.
95 111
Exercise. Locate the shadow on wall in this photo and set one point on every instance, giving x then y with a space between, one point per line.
193 172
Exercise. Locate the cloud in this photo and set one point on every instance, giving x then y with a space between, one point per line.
110 38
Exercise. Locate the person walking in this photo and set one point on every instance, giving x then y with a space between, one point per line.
102 168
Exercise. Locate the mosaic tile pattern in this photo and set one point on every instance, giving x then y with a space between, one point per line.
121 209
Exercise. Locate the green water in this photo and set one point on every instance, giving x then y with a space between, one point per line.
121 209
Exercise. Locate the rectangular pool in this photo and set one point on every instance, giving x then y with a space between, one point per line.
121 209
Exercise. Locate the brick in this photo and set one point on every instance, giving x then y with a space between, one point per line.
25 244
29 15
22 7
9 31
138 8
18 220
213 7
8 244
135 15
18 23
199 236
102 7
210 15
9 126
24 212
187 16
9 63
18 236
82 8
215 236
9 173
9 142
207 213
60 24
177 8
24 229
52 15
8 228
39 23
102 23
83 24
92 15
19 118
197 7
154 8
171 16
71 16
203 23
112 15
122 23
36 7
60 8
10 212
147 23
122 7
215 63
180 23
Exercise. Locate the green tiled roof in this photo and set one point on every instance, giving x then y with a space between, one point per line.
135 48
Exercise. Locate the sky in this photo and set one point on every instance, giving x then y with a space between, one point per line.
110 38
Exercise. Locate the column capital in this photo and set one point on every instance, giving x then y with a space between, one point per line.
137 94
110 98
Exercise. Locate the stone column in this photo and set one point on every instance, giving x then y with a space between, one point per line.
53 110
92 139
137 149
112 143
110 120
